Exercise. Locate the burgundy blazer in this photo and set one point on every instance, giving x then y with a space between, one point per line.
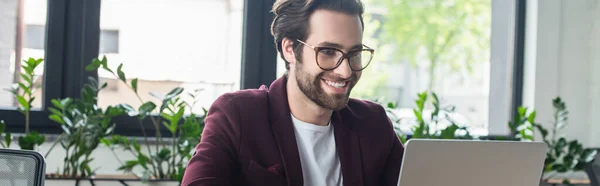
249 139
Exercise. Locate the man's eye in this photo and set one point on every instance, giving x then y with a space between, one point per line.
328 52
354 54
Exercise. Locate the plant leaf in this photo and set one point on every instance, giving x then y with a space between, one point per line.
26 78
449 132
2 127
157 95
56 118
542 130
588 155
106 142
146 108
121 74
136 146
531 117
128 165
67 121
174 92
92 67
164 154
143 160
23 102
24 88
134 84
129 109
66 130
8 139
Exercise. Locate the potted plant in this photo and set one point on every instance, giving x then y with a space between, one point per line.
167 158
563 155
24 93
437 123
84 125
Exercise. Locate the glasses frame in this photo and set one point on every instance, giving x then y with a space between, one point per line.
345 55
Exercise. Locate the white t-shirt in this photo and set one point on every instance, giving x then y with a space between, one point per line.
318 154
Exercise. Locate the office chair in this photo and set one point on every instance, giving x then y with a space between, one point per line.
21 168
593 170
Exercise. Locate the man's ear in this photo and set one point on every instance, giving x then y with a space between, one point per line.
287 47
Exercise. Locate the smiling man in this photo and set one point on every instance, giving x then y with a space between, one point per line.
304 129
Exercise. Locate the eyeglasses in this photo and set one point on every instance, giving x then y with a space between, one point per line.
329 58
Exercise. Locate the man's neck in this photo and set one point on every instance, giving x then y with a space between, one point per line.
303 108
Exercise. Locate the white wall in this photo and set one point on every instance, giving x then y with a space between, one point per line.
8 15
562 59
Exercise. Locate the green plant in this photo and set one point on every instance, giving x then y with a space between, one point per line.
428 129
427 125
7 137
523 124
84 125
23 92
563 155
163 160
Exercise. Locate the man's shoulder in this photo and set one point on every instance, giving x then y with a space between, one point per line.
243 96
241 99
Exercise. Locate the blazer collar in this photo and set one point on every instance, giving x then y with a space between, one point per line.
346 139
283 131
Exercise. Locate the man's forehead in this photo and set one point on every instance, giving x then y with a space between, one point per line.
335 29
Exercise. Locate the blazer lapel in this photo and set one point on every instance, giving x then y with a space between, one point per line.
347 144
283 131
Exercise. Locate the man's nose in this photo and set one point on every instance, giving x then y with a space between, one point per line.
344 70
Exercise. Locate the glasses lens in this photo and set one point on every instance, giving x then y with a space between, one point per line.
328 58
360 59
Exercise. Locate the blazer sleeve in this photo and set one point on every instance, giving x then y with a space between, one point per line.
391 173
215 160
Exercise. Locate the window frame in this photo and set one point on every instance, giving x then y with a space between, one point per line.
72 41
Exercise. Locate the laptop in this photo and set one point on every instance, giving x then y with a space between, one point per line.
429 162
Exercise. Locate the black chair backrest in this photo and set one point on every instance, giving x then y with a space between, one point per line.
593 170
21 167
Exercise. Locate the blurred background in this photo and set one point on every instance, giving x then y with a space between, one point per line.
484 58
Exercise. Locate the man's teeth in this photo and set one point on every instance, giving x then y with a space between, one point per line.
336 84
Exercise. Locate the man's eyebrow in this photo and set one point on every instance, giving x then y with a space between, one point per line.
339 46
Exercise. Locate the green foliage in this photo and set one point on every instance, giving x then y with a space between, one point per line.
523 124
163 160
455 33
30 140
426 125
7 139
23 92
428 128
84 125
563 155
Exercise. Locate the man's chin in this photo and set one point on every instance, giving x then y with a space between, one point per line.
340 100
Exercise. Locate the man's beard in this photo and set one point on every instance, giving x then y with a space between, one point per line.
311 87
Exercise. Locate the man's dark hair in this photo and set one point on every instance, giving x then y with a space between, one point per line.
292 19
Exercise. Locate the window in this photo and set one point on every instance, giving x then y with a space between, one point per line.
194 44
441 46
109 41
22 37
35 37
219 46
437 46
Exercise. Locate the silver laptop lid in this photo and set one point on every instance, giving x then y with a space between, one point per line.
428 162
